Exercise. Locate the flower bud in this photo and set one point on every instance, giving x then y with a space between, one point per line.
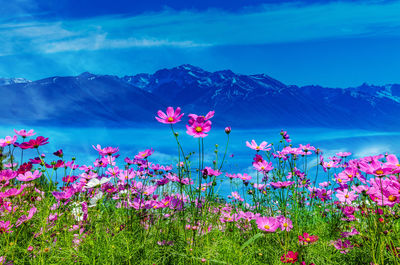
228 130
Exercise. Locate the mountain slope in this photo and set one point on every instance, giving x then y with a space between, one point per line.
239 100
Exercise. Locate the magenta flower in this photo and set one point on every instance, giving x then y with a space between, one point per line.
8 140
34 143
28 176
343 245
59 153
171 117
306 239
106 150
262 147
200 119
199 129
285 136
24 133
290 257
25 218
267 224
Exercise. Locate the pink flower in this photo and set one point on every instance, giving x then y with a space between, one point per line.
262 147
28 176
263 166
144 154
5 227
281 184
343 154
244 176
171 117
8 140
228 130
285 224
236 196
267 224
346 196
24 133
106 150
198 129
30 248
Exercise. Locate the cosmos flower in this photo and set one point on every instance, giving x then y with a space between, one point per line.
29 176
262 147
24 133
201 119
306 239
8 140
346 196
199 129
290 257
171 117
34 143
94 182
144 154
106 150
267 224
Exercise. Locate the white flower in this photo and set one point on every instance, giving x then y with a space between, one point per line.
96 182
93 201
123 193
77 213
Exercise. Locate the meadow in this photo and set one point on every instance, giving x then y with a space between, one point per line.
297 206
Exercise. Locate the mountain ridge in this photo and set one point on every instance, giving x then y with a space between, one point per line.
256 100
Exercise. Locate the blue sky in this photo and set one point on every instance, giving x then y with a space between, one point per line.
331 43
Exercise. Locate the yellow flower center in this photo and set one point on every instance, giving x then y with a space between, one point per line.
346 196
267 227
392 198
285 225
379 172
199 129
170 119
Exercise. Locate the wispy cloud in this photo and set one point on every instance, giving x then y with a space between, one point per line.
188 29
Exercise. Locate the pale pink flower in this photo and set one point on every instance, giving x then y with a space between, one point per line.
262 147
8 140
346 196
24 133
29 176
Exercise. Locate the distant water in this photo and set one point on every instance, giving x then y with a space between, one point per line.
78 142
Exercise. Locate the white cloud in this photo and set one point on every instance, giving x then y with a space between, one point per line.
188 29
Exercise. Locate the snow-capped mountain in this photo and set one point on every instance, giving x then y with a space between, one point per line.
9 81
239 100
